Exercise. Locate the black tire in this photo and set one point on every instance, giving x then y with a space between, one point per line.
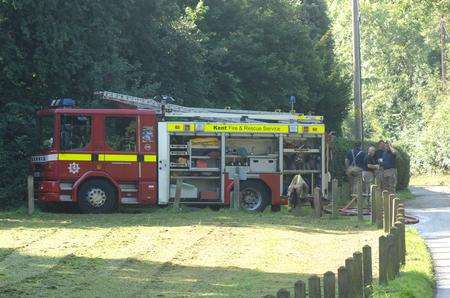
97 196
254 196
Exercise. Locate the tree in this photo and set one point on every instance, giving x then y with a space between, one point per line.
400 53
239 53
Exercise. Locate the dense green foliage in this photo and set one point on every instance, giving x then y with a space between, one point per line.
337 166
238 53
402 94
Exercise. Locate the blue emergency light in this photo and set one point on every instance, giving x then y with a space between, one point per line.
63 103
292 100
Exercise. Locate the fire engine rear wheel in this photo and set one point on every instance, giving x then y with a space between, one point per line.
254 196
97 196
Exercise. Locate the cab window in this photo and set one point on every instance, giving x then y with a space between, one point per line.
121 133
75 132
46 126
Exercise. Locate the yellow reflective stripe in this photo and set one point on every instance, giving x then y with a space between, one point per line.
180 127
302 117
312 129
149 158
117 157
75 156
246 128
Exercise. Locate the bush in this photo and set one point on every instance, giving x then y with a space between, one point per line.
18 141
337 166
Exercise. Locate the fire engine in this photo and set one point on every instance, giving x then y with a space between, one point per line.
136 153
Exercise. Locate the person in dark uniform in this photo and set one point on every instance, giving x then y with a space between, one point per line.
379 159
389 168
379 152
370 170
354 164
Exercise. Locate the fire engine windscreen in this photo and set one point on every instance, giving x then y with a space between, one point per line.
46 126
75 132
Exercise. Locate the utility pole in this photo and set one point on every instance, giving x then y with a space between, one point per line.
443 37
357 73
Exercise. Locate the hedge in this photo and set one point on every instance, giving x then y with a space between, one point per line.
340 146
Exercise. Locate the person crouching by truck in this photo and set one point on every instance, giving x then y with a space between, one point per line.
354 164
388 163
370 171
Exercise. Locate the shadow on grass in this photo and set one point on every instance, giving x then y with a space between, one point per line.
169 218
74 276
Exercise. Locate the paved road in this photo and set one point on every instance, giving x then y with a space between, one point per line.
432 206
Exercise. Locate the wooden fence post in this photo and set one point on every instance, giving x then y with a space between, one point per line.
317 203
334 197
359 200
373 203
357 256
329 285
391 202
314 287
350 266
300 289
386 212
395 256
397 250
398 226
30 186
343 282
379 207
391 257
235 204
283 293
395 202
176 201
345 191
401 215
367 270
379 200
382 265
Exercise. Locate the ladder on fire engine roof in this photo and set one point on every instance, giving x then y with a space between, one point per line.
172 110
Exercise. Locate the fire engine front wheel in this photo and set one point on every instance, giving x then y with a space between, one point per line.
254 196
97 196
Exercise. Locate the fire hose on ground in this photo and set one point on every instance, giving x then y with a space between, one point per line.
351 211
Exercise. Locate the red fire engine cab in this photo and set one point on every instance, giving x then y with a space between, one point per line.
100 158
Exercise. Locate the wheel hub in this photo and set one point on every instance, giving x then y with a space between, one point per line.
96 197
251 199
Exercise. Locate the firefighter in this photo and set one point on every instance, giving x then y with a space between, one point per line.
388 164
379 160
370 171
354 164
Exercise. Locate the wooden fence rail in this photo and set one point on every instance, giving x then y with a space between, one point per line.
355 279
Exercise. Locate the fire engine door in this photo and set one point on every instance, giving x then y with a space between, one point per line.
147 159
120 159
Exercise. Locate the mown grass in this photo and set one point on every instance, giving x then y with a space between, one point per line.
416 277
430 180
160 253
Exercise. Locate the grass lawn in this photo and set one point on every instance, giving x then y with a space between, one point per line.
159 253
416 278
431 180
